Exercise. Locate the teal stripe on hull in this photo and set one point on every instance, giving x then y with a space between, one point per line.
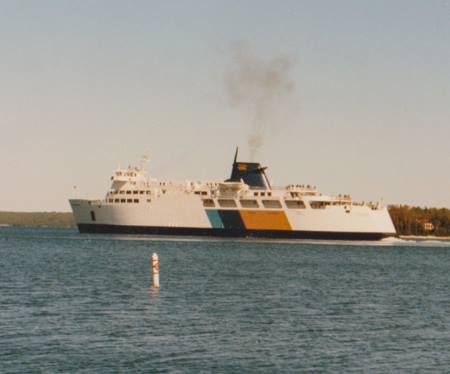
214 219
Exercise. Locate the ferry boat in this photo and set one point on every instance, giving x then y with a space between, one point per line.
244 205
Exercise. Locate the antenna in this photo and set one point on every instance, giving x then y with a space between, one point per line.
236 155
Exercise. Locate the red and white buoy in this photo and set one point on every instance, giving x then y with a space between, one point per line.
155 271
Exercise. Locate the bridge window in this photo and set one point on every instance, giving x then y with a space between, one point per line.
93 216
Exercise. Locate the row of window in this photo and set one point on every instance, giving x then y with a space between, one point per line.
204 193
249 203
134 201
126 174
324 204
303 193
135 192
262 193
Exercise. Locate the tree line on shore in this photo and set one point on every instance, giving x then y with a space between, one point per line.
37 219
407 220
410 220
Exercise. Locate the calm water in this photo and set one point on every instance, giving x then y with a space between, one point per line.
75 303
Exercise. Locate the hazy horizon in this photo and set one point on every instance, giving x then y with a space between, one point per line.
350 96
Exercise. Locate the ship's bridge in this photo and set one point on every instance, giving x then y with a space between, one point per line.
132 173
126 175
132 177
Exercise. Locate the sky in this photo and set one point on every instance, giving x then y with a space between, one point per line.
86 86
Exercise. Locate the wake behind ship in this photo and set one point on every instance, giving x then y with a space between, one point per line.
245 205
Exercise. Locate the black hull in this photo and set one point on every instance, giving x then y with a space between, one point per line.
228 233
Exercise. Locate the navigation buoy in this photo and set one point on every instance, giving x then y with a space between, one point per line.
155 270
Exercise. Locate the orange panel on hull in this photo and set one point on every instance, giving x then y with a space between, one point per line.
265 220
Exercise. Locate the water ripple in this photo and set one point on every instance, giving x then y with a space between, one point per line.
75 303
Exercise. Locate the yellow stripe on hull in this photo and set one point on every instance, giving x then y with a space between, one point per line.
265 220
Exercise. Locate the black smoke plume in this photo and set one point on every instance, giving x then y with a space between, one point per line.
258 89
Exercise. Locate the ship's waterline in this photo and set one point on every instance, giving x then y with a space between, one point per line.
245 205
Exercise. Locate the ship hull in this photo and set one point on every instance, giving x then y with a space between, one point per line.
184 215
229 233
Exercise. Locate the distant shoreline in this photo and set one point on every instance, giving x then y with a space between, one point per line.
37 219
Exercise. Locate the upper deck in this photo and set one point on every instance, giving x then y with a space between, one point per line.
248 187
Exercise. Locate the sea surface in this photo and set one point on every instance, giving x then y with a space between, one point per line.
84 304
